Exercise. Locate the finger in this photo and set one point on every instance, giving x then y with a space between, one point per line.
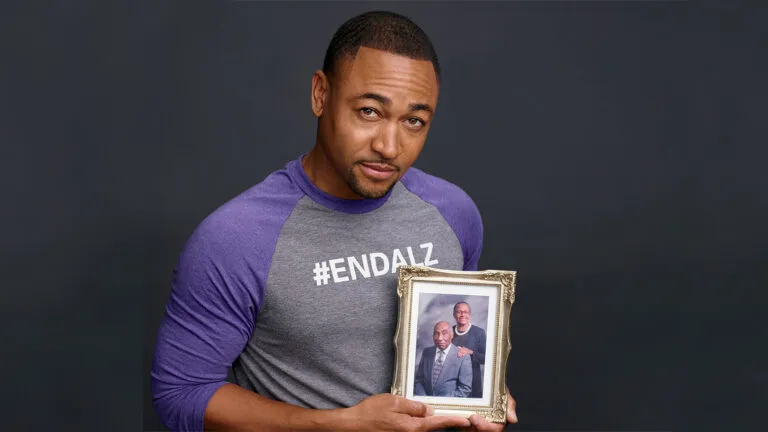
412 408
511 409
442 422
480 424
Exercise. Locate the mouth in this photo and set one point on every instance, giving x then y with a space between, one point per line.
378 171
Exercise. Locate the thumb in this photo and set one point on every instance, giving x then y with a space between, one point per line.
511 409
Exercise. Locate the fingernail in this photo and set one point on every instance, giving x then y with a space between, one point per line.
430 410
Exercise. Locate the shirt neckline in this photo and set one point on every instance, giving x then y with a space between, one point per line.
456 330
446 351
296 171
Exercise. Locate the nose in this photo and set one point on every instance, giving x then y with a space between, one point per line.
386 142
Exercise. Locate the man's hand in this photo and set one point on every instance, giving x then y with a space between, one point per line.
479 424
465 351
387 412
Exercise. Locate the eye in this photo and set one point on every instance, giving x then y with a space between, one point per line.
415 122
368 112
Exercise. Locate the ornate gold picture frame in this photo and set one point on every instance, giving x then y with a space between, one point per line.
429 367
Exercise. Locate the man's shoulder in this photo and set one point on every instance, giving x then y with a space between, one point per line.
455 206
256 213
436 190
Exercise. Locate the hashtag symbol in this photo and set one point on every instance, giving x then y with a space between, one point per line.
322 273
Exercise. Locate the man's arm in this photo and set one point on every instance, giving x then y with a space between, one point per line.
464 382
234 408
209 318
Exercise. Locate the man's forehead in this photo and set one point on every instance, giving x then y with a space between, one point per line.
373 70
369 57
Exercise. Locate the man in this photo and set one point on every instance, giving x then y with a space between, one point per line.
441 372
470 340
293 284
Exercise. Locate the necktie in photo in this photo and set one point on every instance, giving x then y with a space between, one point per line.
438 367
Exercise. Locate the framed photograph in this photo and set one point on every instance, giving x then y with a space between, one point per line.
452 339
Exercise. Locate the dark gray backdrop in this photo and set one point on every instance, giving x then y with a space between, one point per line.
612 148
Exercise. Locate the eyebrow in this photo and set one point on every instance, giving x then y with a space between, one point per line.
387 101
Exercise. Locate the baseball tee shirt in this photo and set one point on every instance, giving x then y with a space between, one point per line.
296 290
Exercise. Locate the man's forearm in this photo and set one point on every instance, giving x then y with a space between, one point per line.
235 408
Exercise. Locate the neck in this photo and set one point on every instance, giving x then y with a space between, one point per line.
462 328
321 173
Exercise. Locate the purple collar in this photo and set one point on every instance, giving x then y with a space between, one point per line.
296 172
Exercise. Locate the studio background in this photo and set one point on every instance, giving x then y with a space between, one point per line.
611 147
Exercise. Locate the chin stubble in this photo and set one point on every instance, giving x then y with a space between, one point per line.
354 184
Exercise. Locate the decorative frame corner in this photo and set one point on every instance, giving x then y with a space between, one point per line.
505 283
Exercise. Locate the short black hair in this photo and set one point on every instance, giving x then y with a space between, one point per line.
381 30
461 302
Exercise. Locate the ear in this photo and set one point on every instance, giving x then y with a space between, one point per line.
320 92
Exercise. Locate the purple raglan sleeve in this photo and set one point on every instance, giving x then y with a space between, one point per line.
217 289
456 207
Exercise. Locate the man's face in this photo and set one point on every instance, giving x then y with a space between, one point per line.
374 119
443 335
462 314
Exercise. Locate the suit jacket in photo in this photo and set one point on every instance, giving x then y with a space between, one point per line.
455 379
